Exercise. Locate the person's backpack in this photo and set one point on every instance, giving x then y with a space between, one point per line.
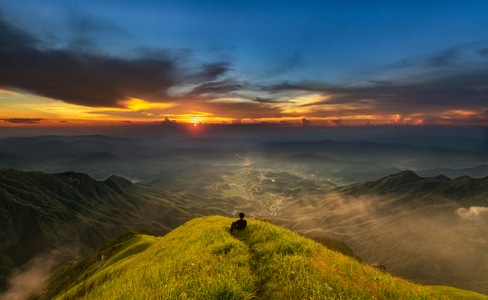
237 225
233 226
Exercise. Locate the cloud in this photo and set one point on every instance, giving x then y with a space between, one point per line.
471 212
87 32
288 64
442 87
208 72
24 120
32 277
96 79
241 110
263 100
214 88
454 80
336 122
483 52
305 122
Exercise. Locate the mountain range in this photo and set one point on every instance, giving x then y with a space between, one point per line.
70 194
142 159
430 230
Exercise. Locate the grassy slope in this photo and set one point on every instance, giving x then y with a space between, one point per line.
202 260
40 212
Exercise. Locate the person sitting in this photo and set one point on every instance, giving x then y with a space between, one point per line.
239 224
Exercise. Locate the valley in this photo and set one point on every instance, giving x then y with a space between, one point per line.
385 201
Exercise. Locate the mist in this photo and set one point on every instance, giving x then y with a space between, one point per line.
31 278
429 244
472 213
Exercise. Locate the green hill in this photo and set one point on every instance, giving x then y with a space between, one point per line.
72 212
202 260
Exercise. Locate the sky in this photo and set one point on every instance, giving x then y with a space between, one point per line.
293 63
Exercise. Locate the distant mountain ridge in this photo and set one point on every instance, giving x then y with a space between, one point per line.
140 158
95 157
465 190
478 171
9 160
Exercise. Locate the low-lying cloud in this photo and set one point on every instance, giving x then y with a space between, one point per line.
472 212
32 277
24 120
415 242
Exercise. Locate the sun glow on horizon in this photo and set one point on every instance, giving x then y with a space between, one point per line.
24 109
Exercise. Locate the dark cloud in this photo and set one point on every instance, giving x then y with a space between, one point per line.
87 32
264 100
13 37
92 79
306 122
451 87
288 65
242 110
214 88
336 122
209 72
448 58
308 86
467 91
483 52
24 120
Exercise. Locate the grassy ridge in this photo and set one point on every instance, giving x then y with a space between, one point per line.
202 260
41 212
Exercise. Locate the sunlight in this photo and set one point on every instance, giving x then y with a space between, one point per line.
196 120
302 104
16 105
450 114
2 91
196 117
140 104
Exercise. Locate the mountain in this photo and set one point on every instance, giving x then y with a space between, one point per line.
142 158
67 147
9 160
202 260
478 171
465 190
99 165
42 212
96 158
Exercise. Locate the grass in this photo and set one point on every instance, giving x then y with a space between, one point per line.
454 293
202 260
